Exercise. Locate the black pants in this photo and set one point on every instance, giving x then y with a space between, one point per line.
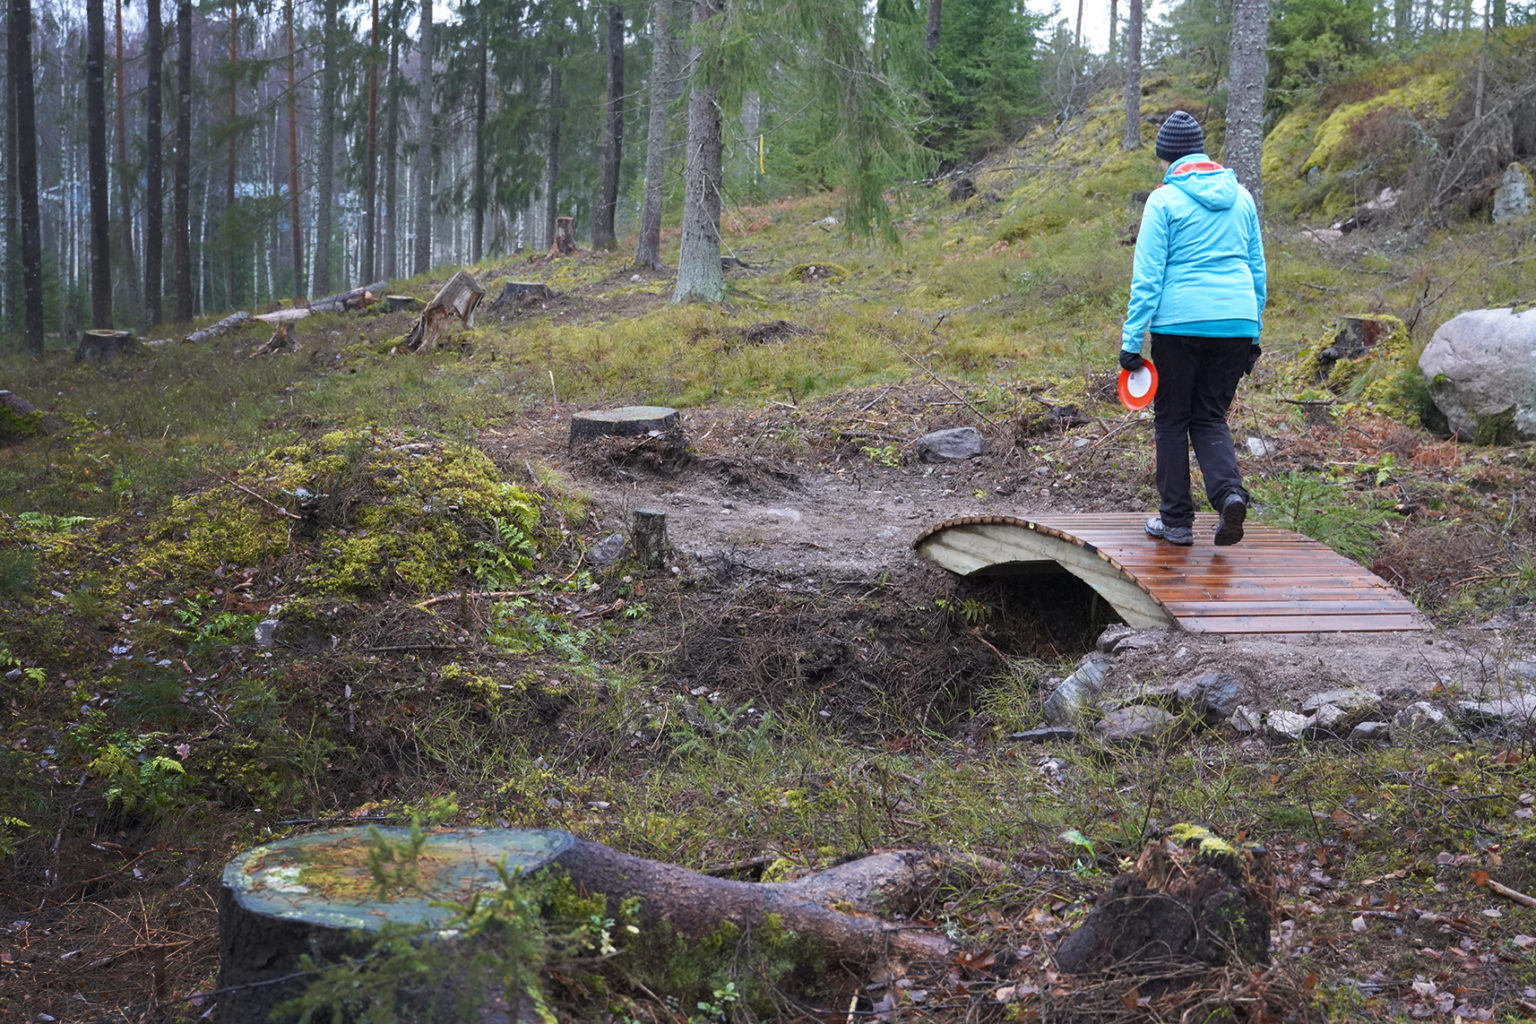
1196 379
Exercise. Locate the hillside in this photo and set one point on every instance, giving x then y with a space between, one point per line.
244 597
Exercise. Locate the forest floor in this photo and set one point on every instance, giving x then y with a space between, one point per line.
797 686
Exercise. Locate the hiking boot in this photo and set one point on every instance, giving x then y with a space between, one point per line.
1233 511
1183 536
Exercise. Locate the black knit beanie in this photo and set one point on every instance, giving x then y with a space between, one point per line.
1179 136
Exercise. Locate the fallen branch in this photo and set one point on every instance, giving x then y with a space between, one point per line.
1512 894
479 595
274 507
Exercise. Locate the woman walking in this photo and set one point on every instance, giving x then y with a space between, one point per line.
1198 288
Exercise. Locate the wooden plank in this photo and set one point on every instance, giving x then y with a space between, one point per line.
1304 624
1274 582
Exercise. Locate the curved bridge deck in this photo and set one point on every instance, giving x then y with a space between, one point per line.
1275 581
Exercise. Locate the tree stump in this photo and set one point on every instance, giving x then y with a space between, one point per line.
1193 903
100 346
564 242
398 302
458 298
283 340
650 533
223 327
20 419
630 421
522 293
316 894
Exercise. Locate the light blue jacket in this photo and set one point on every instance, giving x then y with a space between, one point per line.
1199 266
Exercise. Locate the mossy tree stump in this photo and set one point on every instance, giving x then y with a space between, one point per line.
102 346
315 894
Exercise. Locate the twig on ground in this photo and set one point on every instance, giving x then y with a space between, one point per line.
274 507
488 595
1512 894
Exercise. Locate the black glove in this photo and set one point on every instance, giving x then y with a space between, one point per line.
1131 360
1253 358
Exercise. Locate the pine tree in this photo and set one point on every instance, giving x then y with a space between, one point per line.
325 173
1245 95
1132 139
422 254
699 274
154 201
662 92
613 134
96 159
24 111
182 189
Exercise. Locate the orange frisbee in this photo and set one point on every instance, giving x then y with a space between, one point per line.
1139 386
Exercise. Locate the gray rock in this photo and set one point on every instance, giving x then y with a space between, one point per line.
1077 691
1328 720
607 550
1139 723
1045 734
1481 365
1246 720
1421 718
1513 199
1211 696
1258 447
1517 712
1371 732
1286 726
1110 640
1352 700
266 632
953 445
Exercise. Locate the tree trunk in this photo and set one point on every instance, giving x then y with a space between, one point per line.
181 203
370 151
96 155
293 159
699 275
477 189
935 30
603 236
235 285
264 927
1114 24
1132 138
125 177
1077 35
421 260
389 216
154 201
552 169
1245 95
325 172
24 111
663 90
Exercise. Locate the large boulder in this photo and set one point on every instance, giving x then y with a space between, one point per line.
1481 369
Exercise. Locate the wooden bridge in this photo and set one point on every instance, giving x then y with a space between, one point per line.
1275 581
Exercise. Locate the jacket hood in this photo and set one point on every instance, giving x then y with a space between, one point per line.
1204 180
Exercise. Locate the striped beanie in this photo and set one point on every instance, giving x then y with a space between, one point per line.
1179 136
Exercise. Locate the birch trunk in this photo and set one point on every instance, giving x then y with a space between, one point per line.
421 260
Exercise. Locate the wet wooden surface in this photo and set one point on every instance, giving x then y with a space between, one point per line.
1274 581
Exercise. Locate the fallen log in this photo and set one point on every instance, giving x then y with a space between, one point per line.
20 419
223 327
354 299
282 316
320 894
458 298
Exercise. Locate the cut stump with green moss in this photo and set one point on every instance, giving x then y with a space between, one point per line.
318 895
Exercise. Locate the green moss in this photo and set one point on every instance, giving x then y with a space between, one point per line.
16 426
1496 428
